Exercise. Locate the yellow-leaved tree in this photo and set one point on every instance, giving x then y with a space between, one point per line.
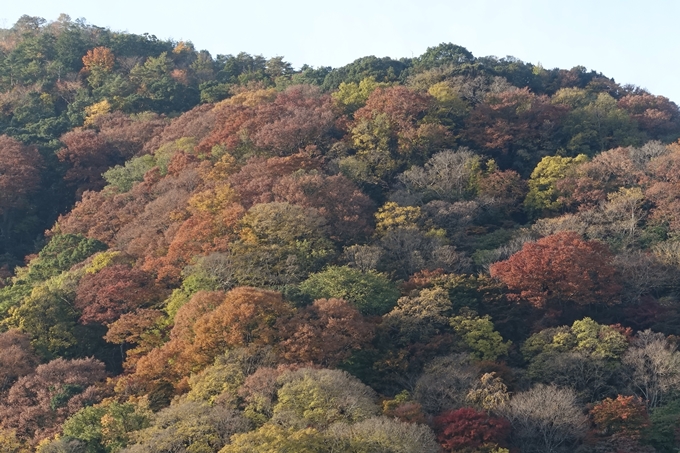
543 193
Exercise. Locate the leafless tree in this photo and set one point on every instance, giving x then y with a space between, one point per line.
362 257
447 174
654 367
641 156
591 378
645 274
545 419
217 266
445 384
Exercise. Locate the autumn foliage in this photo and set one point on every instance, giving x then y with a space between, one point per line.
297 117
560 268
214 254
113 291
20 168
625 415
326 333
39 402
467 428
100 58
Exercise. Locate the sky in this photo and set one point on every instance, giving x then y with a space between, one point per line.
635 42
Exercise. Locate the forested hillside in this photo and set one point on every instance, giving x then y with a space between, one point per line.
445 253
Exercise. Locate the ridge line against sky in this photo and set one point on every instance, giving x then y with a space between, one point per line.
632 41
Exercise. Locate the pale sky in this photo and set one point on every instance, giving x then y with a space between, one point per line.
632 41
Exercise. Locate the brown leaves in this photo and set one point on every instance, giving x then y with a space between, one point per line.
19 172
245 316
117 289
141 328
467 428
347 210
663 188
257 178
402 106
297 117
116 138
625 415
513 120
37 404
325 333
17 358
200 234
657 115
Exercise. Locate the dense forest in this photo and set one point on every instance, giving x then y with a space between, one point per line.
445 253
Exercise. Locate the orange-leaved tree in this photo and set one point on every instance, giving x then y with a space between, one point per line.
207 326
99 58
625 415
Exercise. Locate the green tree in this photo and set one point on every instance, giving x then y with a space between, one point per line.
391 130
479 335
70 46
60 253
450 109
596 123
279 244
106 427
273 438
219 383
585 357
49 317
158 89
370 292
191 427
664 421
318 398
352 96
585 335
381 69
123 177
442 55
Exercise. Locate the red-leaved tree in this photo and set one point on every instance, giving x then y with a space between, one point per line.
117 289
560 268
467 428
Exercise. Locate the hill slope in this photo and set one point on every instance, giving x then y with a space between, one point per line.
398 255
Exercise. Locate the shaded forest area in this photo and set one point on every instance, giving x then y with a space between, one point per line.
226 254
